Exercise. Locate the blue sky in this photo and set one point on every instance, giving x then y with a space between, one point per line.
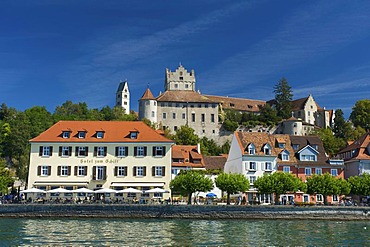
53 51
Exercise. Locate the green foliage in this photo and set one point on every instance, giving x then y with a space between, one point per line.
186 136
232 183
190 181
6 180
283 97
360 115
279 183
327 185
268 115
360 185
209 147
149 123
229 125
331 143
225 148
339 127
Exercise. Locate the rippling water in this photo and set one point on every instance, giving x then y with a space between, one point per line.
134 232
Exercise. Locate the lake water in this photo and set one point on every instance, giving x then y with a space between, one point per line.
152 232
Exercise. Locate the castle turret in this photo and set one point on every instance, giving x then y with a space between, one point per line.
180 79
148 106
123 96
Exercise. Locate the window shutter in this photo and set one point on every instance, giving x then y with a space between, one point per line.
263 166
125 170
76 170
115 171
60 151
87 151
38 170
164 150
154 153
59 170
85 170
163 171
135 152
69 170
94 172
51 151
70 151
49 170
145 150
40 150
144 168
153 171
76 151
116 151
104 173
95 151
105 151
126 151
135 171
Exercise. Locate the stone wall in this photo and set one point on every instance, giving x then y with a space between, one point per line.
185 211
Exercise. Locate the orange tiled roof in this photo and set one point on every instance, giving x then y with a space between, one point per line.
114 131
359 147
188 154
147 95
238 103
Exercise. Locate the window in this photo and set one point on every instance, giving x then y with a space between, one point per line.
281 145
66 134
175 128
44 171
252 166
81 171
251 149
319 198
308 157
100 173
315 146
182 78
65 151
335 198
159 151
46 151
296 146
176 85
183 116
158 171
268 166
100 151
334 172
193 117
267 149
140 171
133 135
121 171
164 115
286 169
140 151
82 151
252 179
99 134
186 86
81 134
153 114
318 171
285 155
206 105
121 151
212 118
308 171
174 115
203 117
213 105
64 170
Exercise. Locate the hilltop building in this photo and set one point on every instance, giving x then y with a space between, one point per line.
123 96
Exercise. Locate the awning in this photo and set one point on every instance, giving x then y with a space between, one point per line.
68 183
133 184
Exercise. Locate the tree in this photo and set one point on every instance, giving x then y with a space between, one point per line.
70 111
149 123
225 148
186 136
360 115
283 97
327 185
209 147
339 127
230 125
38 120
279 183
360 185
268 115
232 183
332 144
6 180
188 182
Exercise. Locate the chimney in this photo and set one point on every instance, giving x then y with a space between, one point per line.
198 148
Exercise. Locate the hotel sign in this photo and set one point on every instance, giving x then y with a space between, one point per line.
99 161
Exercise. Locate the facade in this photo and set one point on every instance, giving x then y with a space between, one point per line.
357 156
123 96
100 154
294 126
186 157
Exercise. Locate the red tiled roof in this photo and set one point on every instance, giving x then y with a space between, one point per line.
183 96
114 131
239 104
147 95
359 147
188 154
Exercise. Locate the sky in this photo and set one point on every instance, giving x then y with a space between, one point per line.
79 50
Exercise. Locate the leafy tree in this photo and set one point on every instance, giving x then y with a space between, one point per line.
360 115
283 97
225 148
188 182
70 111
6 179
327 185
38 120
186 136
232 183
331 143
353 134
279 183
360 185
230 125
149 123
209 147
268 115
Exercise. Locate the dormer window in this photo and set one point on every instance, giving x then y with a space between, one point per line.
281 145
315 146
81 134
285 155
66 134
133 135
267 149
251 149
295 147
100 134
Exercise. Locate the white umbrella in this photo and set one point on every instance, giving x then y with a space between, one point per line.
33 190
82 190
157 190
105 190
59 190
129 190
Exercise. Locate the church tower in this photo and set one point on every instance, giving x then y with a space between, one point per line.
148 106
123 96
180 79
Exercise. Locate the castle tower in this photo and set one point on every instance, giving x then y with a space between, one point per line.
148 106
123 96
180 79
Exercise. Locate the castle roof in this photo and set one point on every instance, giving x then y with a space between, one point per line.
298 104
148 95
184 96
238 103
121 86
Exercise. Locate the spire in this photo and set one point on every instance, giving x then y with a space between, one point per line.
147 94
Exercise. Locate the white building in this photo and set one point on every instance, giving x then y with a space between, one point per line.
123 96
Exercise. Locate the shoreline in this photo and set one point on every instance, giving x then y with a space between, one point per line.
212 212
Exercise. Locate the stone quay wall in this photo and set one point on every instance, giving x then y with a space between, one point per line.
183 211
